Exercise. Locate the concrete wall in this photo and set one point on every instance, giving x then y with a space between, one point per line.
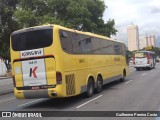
3 69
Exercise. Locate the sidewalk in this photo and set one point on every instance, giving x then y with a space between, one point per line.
5 77
131 64
6 85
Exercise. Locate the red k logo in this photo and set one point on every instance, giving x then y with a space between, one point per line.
33 71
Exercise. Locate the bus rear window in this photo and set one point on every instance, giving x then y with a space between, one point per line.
33 39
140 55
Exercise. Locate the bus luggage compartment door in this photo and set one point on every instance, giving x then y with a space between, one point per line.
36 72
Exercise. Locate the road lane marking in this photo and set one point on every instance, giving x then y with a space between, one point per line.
143 73
89 101
29 102
7 99
128 82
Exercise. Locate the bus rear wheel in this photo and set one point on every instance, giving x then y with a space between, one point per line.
90 88
99 85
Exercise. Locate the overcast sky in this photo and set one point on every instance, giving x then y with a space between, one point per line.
144 13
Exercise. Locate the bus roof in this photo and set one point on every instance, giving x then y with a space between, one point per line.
88 33
144 51
65 28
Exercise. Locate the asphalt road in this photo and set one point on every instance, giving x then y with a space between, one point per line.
140 92
6 85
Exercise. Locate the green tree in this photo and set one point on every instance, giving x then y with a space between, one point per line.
17 14
7 25
156 50
69 13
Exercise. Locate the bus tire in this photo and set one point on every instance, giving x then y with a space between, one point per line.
90 88
99 84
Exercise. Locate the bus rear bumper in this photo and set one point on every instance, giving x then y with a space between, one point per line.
142 66
32 94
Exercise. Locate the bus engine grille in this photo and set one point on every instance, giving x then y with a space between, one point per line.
70 84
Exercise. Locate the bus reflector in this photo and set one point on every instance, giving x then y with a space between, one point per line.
20 92
59 77
148 58
134 61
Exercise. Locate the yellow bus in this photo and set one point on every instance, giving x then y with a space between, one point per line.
52 61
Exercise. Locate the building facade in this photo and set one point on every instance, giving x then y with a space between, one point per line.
147 41
142 42
3 69
150 41
133 37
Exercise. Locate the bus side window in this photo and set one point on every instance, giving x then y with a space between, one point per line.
116 47
110 48
83 43
96 45
66 41
76 43
86 45
64 34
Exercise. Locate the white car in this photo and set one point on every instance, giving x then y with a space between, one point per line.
144 59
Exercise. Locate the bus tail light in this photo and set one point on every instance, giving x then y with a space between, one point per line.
134 61
20 92
59 77
148 58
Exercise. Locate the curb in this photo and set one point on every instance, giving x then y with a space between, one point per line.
6 92
5 77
